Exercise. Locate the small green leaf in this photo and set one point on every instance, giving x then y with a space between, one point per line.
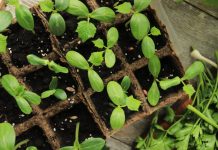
197 132
61 5
170 114
32 97
67 148
104 14
210 141
95 81
175 128
154 66
183 144
86 30
31 148
117 118
132 103
57 68
60 94
77 8
96 58
116 93
189 89
139 25
47 94
183 132
126 83
124 8
13 2
5 19
112 37
148 47
110 58
46 5
57 24
92 144
99 43
23 105
7 136
168 83
141 5
24 17
3 43
35 60
77 60
54 83
155 31
193 70
153 94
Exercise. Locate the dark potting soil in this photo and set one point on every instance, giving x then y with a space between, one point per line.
36 138
64 124
22 42
39 81
110 3
168 70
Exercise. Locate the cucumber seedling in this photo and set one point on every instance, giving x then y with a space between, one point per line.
22 96
8 138
85 28
89 144
118 95
35 60
53 90
110 58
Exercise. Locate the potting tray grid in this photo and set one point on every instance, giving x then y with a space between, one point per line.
42 116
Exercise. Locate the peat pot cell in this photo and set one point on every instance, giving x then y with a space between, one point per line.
64 124
169 69
131 48
110 3
9 111
22 42
36 138
39 81
3 69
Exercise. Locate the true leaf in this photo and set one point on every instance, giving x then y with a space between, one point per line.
5 19
153 94
132 103
86 30
13 2
3 43
197 132
92 144
46 5
139 25
117 118
141 5
115 93
110 58
183 132
193 70
95 81
183 144
60 94
112 37
7 136
77 60
148 47
57 24
32 97
175 128
124 8
154 66
24 17
96 58
23 105
165 84
77 8
54 83
155 31
61 5
170 114
35 60
126 82
57 68
209 141
47 94
99 43
189 89
104 14
31 148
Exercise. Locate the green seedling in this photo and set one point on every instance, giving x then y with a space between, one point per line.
89 144
86 29
110 58
57 23
77 60
35 60
8 137
53 90
118 95
22 96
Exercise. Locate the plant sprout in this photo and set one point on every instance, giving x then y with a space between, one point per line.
88 144
35 60
85 28
118 95
58 93
77 60
22 96
110 58
8 137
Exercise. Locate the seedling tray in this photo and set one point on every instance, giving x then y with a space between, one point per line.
53 122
